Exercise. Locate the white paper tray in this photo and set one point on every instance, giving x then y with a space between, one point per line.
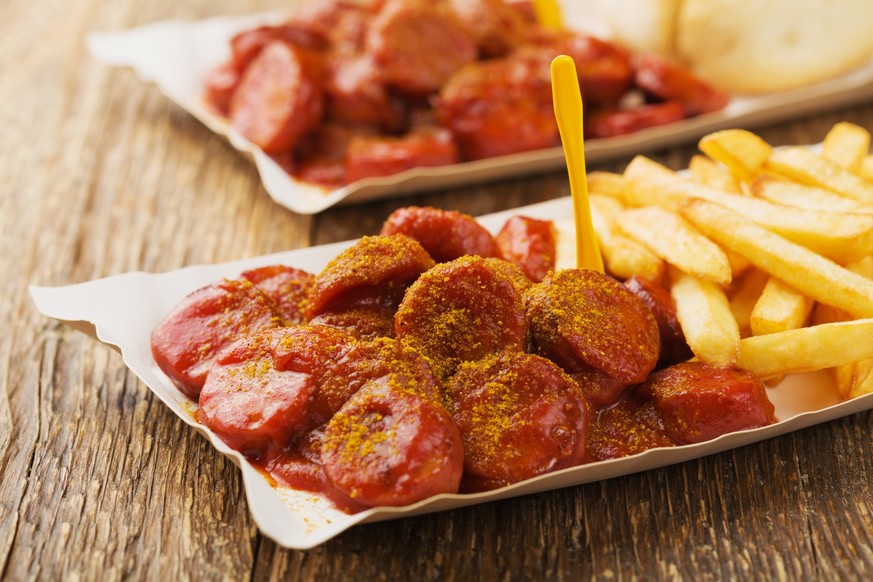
177 56
122 310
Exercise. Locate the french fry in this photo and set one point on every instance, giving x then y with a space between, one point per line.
704 170
846 144
705 317
673 239
623 257
855 378
809 273
866 170
807 167
739 264
744 297
841 236
609 207
801 196
862 379
605 183
741 151
779 308
807 349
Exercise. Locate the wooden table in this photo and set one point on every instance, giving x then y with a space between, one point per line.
101 174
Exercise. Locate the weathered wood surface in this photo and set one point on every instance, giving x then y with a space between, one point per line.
100 174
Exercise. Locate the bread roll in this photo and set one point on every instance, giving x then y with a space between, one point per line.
772 45
750 46
642 25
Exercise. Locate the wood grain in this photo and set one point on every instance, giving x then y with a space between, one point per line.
100 175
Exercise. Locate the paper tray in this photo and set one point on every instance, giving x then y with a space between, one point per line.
177 56
122 310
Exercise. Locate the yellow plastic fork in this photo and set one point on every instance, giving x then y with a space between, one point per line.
548 14
568 111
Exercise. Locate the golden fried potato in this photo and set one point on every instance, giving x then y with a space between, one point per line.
846 145
807 167
672 238
807 349
808 272
706 319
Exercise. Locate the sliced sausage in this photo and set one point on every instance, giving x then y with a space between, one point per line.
340 24
363 322
584 320
259 393
371 156
664 80
461 311
352 368
497 28
287 286
356 94
700 402
519 416
614 122
604 69
186 343
389 446
375 269
445 234
299 467
221 83
418 45
279 98
320 157
631 426
674 348
530 244
499 107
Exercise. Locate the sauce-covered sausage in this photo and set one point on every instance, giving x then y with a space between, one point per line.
461 311
354 366
497 27
519 415
674 348
631 426
604 69
370 156
391 446
186 343
700 402
287 286
613 122
364 322
403 38
530 244
667 81
375 269
356 94
279 97
259 392
480 99
589 322
445 234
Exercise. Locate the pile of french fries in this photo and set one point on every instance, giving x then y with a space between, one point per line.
767 252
